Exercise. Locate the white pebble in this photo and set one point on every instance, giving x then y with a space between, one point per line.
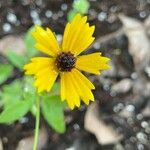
48 13
34 14
102 16
59 37
11 18
6 27
144 124
143 14
64 7
130 108
97 45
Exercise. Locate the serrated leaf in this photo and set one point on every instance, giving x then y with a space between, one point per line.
81 6
30 42
52 109
15 111
5 72
16 59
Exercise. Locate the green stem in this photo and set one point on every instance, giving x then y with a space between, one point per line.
37 125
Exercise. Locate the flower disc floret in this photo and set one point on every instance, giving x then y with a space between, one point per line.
65 61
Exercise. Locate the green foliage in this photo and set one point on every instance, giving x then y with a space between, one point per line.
19 97
71 14
5 71
28 85
15 111
30 42
52 109
55 89
30 92
79 6
11 93
17 60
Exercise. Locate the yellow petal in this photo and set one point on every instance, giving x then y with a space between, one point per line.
92 63
46 82
74 87
63 87
37 64
44 71
46 41
87 82
68 91
77 35
82 86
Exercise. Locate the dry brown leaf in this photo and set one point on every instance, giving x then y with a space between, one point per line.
147 24
139 44
104 133
1 144
146 111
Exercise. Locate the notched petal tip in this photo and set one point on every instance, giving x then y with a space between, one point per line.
78 35
92 28
107 59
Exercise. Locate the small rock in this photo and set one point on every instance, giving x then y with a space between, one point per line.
123 86
27 143
6 27
11 18
14 43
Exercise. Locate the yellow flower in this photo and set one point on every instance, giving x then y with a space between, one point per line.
64 60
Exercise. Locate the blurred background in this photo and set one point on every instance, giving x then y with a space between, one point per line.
119 119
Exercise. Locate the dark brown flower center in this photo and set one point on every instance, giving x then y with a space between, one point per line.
65 61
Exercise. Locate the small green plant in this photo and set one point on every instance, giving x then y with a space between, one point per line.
78 6
21 94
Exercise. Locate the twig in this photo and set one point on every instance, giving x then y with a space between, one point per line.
110 36
120 32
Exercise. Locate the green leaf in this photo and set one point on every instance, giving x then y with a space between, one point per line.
1 102
30 92
52 109
5 72
28 84
81 6
11 93
30 42
15 111
16 59
55 89
71 14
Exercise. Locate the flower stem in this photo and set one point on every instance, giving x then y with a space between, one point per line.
37 125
